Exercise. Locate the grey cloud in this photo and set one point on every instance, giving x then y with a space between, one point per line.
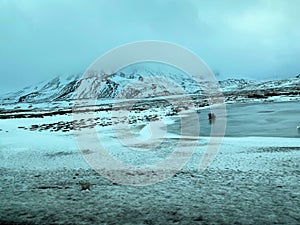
42 39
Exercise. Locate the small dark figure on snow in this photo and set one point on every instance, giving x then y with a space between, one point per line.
211 118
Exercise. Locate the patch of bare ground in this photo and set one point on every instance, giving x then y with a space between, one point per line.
190 197
278 149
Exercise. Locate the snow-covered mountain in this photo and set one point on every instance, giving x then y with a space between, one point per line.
142 82
59 88
138 81
261 89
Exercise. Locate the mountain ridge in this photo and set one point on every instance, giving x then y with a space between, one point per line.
138 83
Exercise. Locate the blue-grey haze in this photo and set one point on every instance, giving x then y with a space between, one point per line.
256 39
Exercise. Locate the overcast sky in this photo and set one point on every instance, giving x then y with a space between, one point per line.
40 39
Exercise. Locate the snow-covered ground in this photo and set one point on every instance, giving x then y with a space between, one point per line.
30 150
253 180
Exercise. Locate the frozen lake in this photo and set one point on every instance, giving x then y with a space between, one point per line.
255 119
